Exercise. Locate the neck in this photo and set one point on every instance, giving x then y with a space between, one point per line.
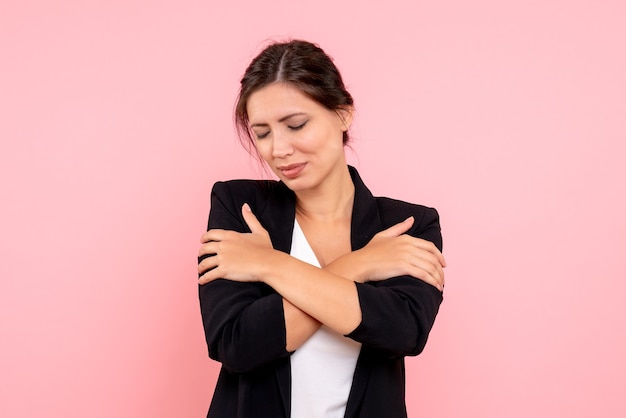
331 202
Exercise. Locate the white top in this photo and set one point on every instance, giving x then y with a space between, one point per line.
323 367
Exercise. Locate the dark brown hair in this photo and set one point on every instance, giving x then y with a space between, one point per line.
299 63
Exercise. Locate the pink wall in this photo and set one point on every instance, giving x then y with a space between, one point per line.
509 117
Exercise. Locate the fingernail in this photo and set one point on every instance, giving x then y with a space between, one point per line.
247 207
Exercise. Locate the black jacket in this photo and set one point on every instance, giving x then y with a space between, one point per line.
244 322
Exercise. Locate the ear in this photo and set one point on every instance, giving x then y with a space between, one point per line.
346 114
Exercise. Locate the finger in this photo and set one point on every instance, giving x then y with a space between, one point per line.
398 229
431 248
213 235
251 220
210 247
435 262
427 261
207 265
208 276
430 266
425 276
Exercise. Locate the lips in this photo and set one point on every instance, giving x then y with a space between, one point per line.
292 170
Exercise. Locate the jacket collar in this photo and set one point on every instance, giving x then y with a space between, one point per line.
279 213
366 220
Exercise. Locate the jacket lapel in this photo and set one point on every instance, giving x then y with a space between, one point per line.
366 223
365 217
278 216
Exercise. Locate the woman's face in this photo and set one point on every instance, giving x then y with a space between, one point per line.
300 140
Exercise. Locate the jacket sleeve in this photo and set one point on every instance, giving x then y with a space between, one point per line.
398 313
243 323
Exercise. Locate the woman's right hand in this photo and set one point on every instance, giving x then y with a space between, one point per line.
392 253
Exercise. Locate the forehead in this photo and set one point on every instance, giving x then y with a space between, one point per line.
277 100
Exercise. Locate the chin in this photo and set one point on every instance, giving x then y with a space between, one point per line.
297 184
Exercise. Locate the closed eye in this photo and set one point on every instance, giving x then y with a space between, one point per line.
298 127
262 135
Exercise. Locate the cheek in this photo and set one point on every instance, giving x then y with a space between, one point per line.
263 149
325 138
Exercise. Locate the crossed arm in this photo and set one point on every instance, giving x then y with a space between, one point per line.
312 296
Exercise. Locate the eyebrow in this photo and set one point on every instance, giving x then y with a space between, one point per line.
284 118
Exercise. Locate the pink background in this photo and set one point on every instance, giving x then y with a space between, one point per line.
509 117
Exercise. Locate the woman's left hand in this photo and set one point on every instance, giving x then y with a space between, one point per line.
234 255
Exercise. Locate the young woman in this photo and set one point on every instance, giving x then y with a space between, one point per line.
312 290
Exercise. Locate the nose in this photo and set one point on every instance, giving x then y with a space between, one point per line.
281 145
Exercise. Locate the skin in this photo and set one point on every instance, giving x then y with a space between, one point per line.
301 141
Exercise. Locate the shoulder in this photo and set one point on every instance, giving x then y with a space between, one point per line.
426 224
263 196
253 192
243 186
393 211
272 202
374 214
